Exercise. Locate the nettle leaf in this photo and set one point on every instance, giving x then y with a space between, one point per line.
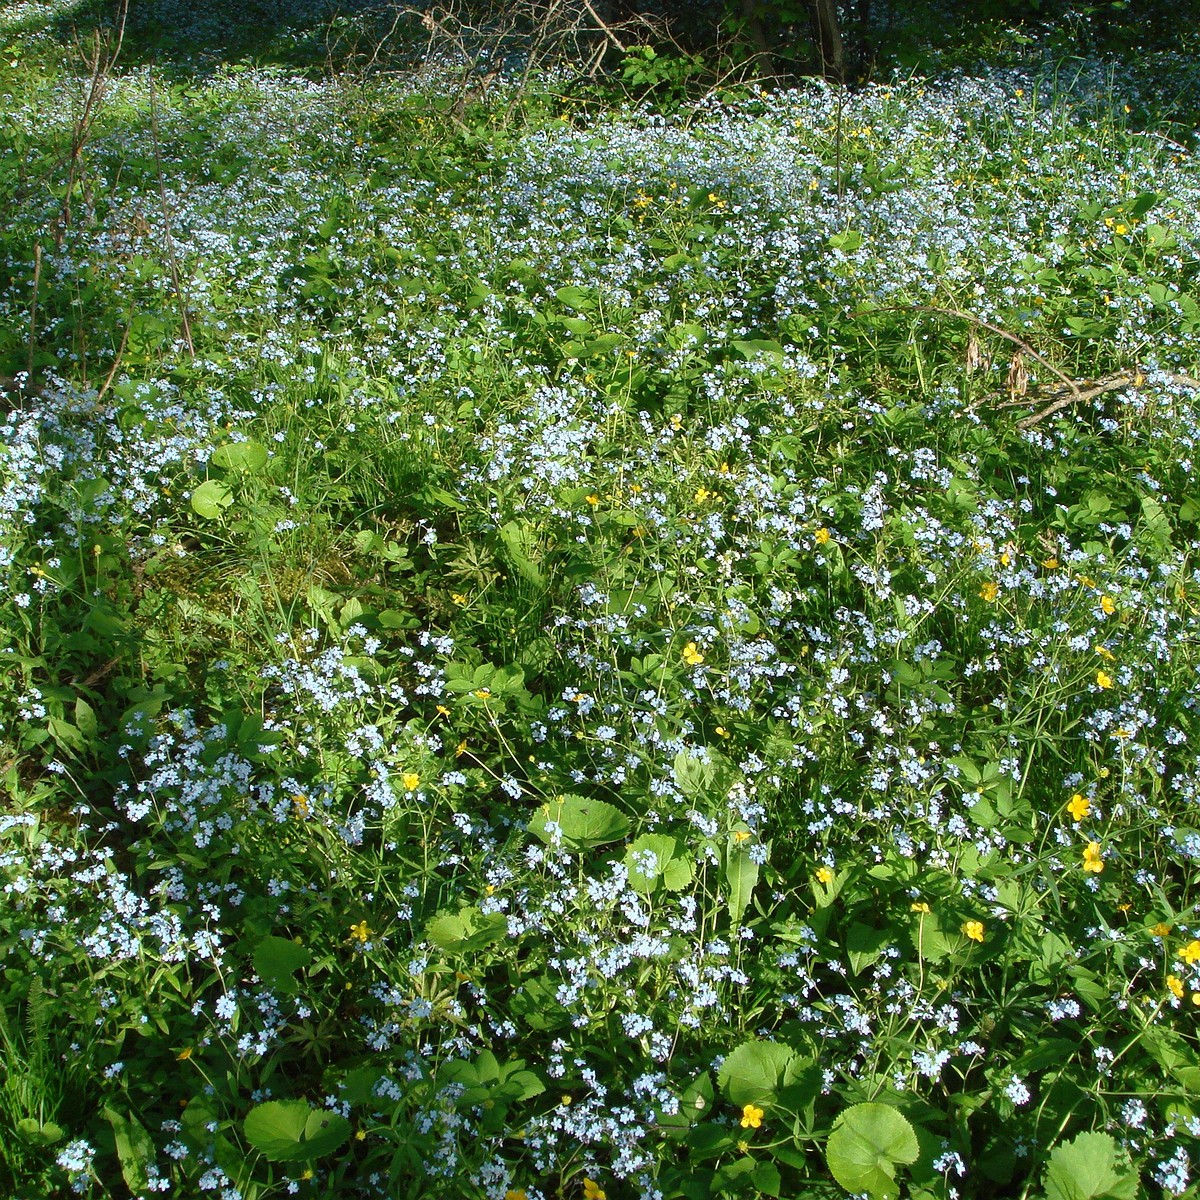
247 457
867 1143
291 1131
582 823
1090 1167
754 1072
210 498
673 868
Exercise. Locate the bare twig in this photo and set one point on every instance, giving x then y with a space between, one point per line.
999 331
1134 378
116 364
33 306
99 60
172 259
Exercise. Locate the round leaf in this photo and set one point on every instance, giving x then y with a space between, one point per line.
291 1131
210 498
240 456
866 1144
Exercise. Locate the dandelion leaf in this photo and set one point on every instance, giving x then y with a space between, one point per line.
741 874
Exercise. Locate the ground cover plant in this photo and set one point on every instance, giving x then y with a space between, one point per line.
561 649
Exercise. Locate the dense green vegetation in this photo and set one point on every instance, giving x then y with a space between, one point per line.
567 646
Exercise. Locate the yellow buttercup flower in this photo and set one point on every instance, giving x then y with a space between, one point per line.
360 932
411 780
752 1117
920 906
1161 930
973 930
592 1190
1108 605
1190 953
1079 806
691 655
989 591
822 536
1175 986
1103 680
1092 859
825 875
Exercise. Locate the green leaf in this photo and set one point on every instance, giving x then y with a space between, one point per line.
577 298
583 823
1090 1167
864 945
85 718
867 1142
741 874
291 1131
521 544
38 1133
673 869
753 1073
467 930
277 960
692 775
247 457
210 498
135 1149
752 349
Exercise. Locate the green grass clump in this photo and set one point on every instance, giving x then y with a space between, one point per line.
644 656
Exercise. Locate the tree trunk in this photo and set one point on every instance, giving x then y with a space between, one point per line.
764 60
827 37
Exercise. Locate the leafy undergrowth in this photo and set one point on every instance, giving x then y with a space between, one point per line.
545 654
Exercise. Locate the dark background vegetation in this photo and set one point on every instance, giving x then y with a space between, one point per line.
779 39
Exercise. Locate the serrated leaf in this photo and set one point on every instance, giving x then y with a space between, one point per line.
1090 1167
867 1143
581 823
754 1072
